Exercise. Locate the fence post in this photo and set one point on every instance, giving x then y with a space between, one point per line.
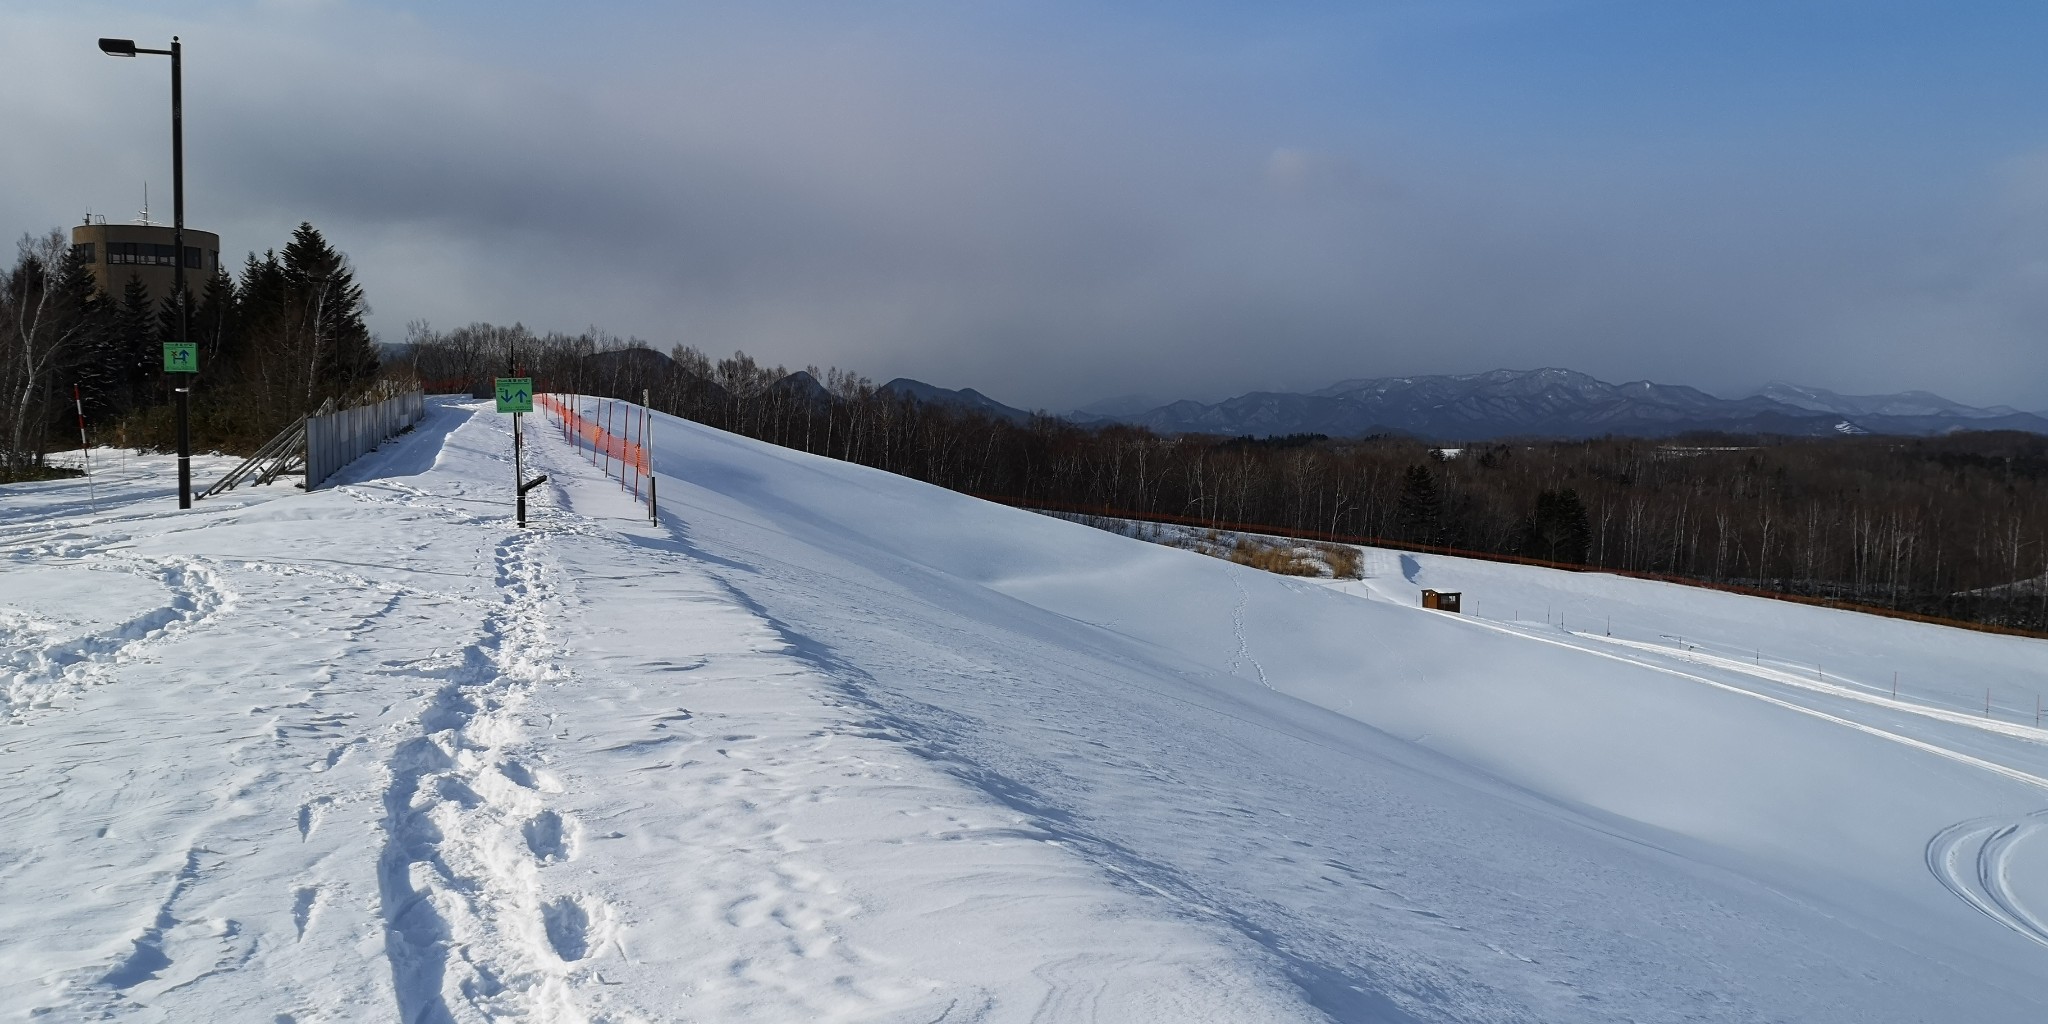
653 516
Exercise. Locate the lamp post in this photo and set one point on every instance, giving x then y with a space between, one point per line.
127 48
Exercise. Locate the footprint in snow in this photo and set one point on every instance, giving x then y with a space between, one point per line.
548 837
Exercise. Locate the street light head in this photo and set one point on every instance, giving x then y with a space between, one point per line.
118 47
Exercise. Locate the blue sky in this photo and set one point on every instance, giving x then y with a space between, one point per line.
1057 201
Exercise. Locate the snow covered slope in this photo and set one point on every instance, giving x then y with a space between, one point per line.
827 744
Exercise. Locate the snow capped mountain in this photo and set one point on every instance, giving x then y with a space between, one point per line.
1905 403
1557 402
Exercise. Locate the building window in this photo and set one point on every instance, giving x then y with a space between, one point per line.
164 255
192 257
124 252
85 252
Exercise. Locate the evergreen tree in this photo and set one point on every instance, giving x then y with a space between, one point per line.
1419 512
214 326
121 357
1559 529
265 361
102 372
328 307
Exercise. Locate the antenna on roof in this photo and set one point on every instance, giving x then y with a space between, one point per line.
145 205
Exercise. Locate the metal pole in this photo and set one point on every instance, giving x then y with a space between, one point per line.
518 471
178 266
91 491
647 438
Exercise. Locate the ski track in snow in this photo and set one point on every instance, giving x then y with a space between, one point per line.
1243 654
1970 859
1974 859
1799 680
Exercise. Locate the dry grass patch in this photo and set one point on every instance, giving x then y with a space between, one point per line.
1288 557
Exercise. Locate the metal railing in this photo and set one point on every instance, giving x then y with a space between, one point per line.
280 454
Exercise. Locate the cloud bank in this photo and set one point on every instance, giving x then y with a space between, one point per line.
1047 204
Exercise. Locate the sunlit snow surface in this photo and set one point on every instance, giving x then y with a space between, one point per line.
831 745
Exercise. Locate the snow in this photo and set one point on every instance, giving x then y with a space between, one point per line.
827 744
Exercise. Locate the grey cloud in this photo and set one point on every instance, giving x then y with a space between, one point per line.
1047 235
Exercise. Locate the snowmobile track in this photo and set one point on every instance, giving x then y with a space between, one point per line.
1973 860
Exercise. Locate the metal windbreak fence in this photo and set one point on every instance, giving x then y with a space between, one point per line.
339 438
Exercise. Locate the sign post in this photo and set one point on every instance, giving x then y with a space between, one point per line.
515 395
183 357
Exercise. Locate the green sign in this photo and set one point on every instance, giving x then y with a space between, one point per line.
181 357
515 394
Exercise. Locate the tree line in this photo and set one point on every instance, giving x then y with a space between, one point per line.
275 342
1954 526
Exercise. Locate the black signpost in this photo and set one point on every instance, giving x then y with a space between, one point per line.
515 395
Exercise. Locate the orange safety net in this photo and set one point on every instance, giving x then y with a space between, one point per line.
590 433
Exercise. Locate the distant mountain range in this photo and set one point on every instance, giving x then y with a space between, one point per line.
964 398
1528 403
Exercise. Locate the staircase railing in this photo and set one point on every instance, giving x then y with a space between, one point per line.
279 455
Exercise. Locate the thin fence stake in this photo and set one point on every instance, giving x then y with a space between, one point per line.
92 496
1895 686
653 515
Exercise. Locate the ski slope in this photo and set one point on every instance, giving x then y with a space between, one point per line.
827 744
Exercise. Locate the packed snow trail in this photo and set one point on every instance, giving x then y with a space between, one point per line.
827 744
382 756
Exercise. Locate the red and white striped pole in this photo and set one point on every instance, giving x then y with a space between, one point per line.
85 448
